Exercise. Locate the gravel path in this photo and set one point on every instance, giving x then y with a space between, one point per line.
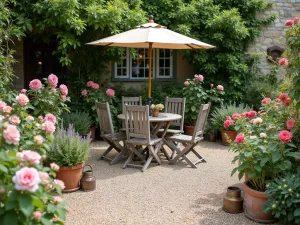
166 194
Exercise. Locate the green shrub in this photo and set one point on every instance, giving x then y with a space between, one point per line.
284 201
68 147
81 121
219 115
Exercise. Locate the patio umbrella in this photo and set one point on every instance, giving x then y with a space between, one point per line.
151 35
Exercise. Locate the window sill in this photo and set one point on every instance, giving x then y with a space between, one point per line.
140 80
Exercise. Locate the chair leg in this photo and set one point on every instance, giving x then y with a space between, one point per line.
119 156
164 151
201 159
128 160
182 154
105 153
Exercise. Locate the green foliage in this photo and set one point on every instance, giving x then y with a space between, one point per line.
230 25
9 30
219 115
68 147
81 121
284 198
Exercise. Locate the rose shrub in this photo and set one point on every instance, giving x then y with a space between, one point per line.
264 144
27 186
47 98
195 95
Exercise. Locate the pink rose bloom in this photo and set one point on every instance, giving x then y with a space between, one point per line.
23 91
60 183
89 84
52 80
54 166
14 120
38 139
35 84
186 83
50 117
290 124
240 138
11 135
57 199
22 99
287 102
252 113
37 215
227 123
289 23
40 118
257 120
263 135
235 116
277 100
296 20
63 98
48 127
266 101
27 179
200 77
95 86
283 96
220 87
196 76
283 62
32 157
2 105
84 92
211 85
8 109
44 177
110 92
63 89
29 118
285 136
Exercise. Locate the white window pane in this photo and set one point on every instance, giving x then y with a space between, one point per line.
164 63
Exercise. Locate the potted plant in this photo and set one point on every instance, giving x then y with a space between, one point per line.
94 93
156 108
196 95
70 151
264 151
81 122
223 119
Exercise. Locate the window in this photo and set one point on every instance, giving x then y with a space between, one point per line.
136 67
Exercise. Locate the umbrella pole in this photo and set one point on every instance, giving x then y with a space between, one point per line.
150 75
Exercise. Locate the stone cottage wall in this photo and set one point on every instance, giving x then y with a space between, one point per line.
274 34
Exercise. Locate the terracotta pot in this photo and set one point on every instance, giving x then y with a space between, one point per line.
93 131
212 137
70 175
155 113
231 135
254 202
189 130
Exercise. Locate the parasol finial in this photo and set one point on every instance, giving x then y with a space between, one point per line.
151 19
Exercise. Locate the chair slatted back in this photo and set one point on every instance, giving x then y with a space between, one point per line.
138 125
201 120
176 106
130 101
104 117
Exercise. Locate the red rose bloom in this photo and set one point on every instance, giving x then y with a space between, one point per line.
240 138
227 123
283 96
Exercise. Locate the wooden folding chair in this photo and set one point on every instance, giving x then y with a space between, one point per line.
129 101
189 142
176 106
108 134
138 134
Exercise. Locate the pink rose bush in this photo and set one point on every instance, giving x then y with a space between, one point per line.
92 93
264 145
196 94
24 140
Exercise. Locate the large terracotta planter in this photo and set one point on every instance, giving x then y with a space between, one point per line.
189 130
254 202
70 175
230 134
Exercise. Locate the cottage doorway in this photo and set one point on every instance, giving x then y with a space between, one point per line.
40 61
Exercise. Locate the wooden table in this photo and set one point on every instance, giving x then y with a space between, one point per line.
163 121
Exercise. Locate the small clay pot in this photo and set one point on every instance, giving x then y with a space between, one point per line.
155 113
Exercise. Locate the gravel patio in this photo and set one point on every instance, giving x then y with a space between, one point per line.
166 194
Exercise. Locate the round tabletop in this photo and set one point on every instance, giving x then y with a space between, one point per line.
163 117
